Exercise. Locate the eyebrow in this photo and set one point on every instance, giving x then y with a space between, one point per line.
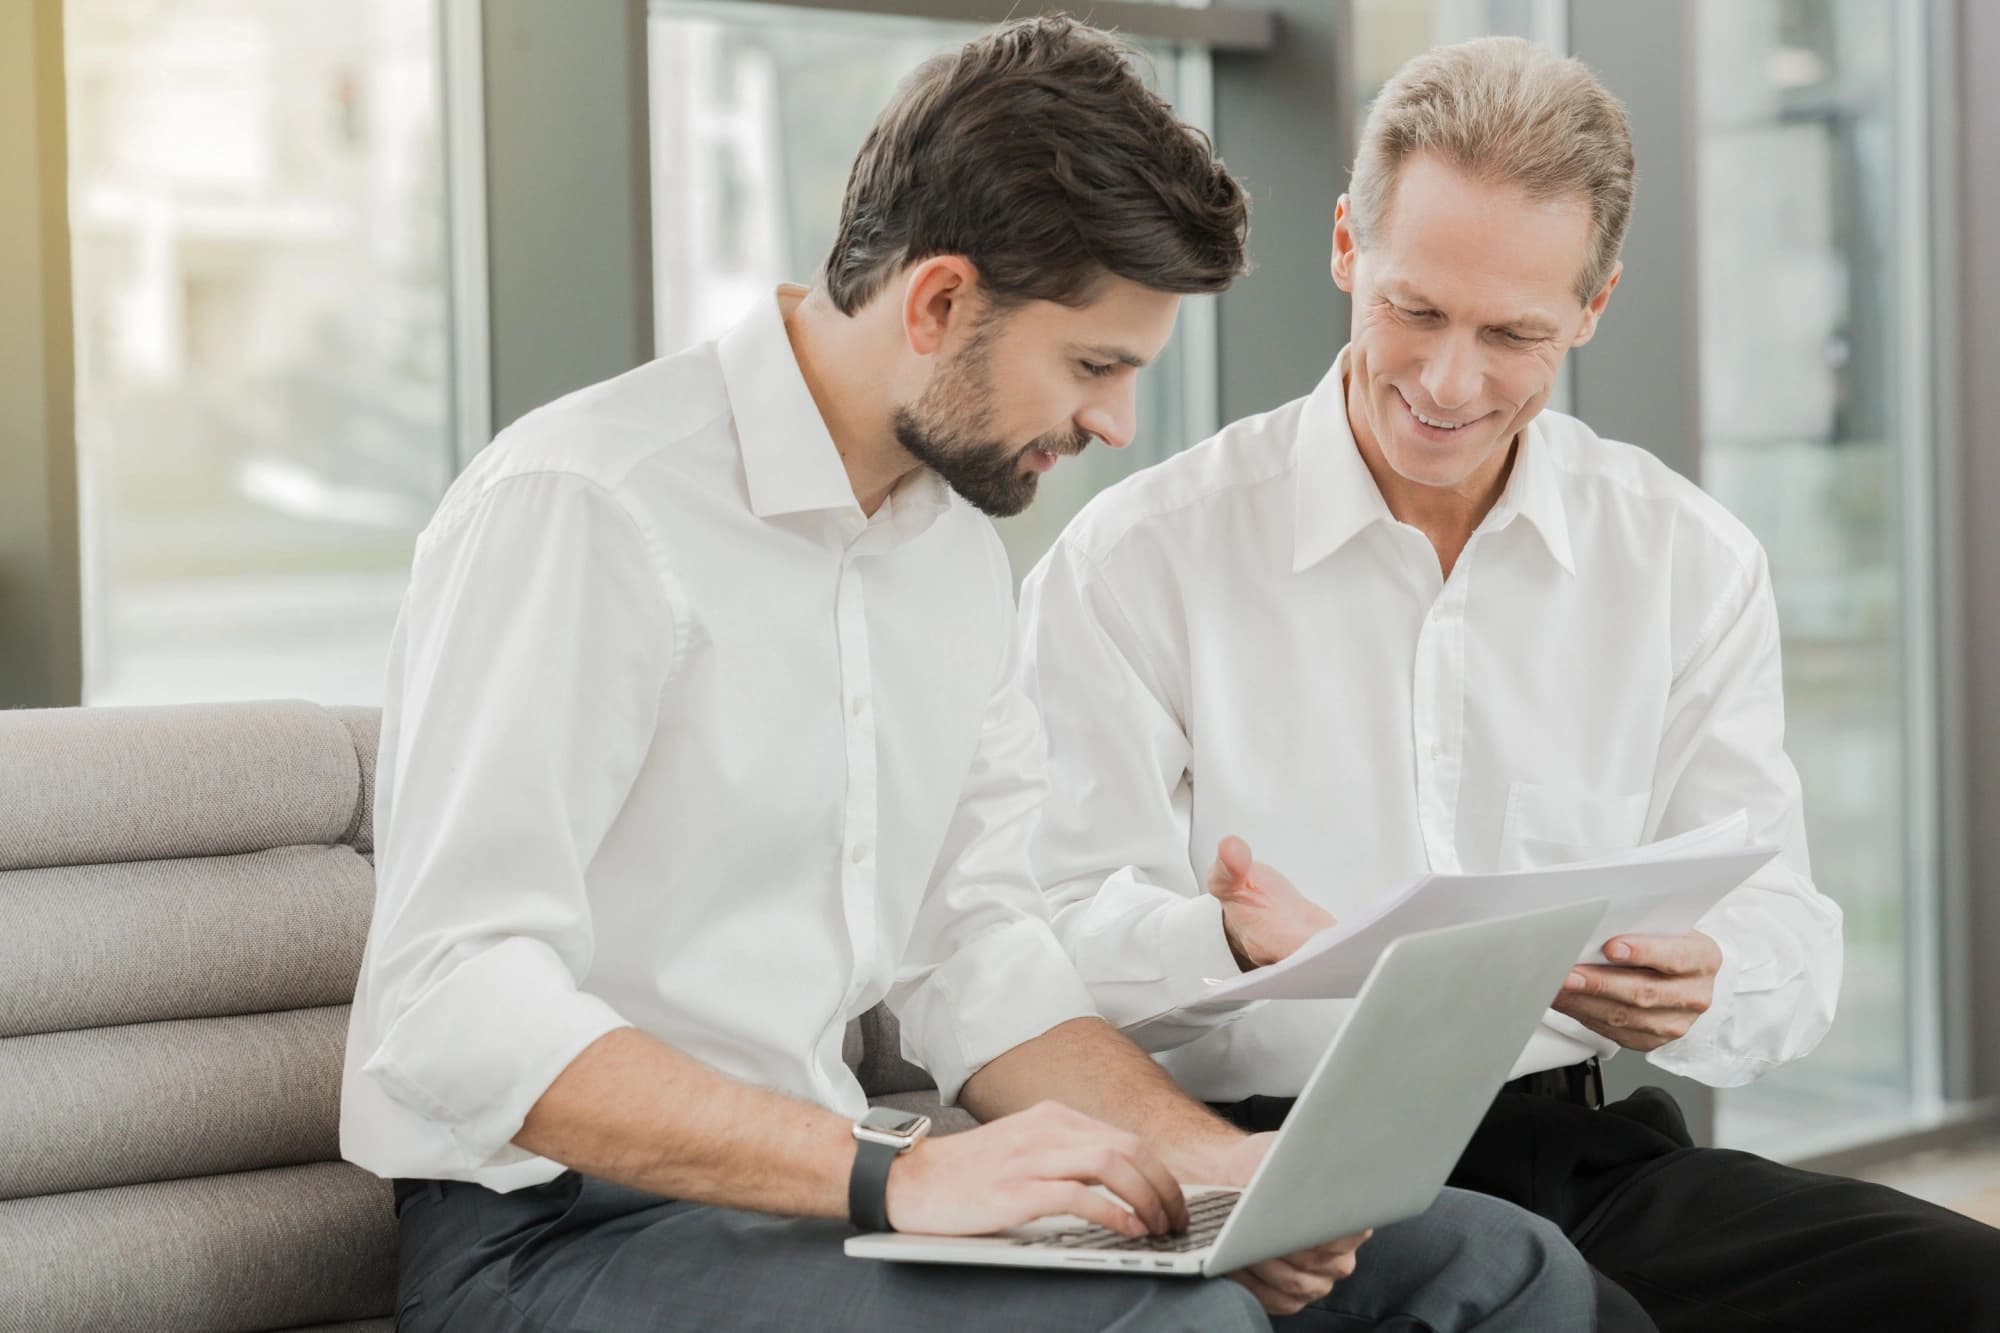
1118 354
1522 324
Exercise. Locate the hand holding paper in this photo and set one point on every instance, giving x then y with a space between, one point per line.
1659 986
1658 890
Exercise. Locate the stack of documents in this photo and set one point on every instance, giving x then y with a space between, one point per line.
1662 888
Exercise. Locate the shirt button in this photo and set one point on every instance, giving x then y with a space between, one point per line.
1437 750
860 705
859 854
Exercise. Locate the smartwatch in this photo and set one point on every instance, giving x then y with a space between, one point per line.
880 1137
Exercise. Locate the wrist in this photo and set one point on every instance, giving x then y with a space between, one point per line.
902 1186
1244 962
1213 1157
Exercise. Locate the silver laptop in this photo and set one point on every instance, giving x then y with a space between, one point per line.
1381 1122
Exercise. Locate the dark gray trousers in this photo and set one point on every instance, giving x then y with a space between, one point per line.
582 1254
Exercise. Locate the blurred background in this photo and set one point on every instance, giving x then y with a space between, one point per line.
278 268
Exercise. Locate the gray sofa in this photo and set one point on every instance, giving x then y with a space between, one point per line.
184 895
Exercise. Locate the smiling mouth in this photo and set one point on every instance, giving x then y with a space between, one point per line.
1435 423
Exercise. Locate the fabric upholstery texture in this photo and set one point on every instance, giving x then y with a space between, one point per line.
364 728
158 1101
87 946
258 1250
882 1068
184 898
92 785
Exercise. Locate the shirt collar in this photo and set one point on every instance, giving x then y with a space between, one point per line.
1338 498
789 459
1532 494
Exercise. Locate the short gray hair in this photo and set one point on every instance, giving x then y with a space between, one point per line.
1506 111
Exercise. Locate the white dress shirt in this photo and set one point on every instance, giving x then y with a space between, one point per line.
675 737
1244 640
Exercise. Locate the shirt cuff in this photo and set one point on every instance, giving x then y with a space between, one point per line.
1193 945
479 1048
1005 987
1701 1052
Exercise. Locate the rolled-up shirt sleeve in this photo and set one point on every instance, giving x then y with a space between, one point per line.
983 972
1722 749
528 666
1111 852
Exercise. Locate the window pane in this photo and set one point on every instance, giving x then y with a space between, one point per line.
757 114
259 240
1804 437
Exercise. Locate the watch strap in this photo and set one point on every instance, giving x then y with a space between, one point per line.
868 1185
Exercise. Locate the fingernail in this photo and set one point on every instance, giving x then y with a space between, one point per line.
1618 951
1574 981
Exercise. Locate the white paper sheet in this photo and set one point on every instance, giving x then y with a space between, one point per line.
1659 889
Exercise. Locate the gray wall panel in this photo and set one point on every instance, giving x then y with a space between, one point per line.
40 627
1979 292
1283 129
568 194
1638 379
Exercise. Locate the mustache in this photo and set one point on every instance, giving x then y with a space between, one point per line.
1061 446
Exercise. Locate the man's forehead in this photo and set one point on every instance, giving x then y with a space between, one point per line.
1459 240
1490 302
1130 326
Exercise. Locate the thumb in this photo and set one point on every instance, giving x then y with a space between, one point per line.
1232 866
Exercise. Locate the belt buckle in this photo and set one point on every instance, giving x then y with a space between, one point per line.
1592 1091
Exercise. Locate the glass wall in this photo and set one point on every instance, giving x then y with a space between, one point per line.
1814 311
757 113
262 363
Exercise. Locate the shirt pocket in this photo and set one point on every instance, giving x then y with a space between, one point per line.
1546 825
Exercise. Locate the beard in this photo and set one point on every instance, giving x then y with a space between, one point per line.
948 432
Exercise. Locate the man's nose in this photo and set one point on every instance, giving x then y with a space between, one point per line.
1114 421
1451 377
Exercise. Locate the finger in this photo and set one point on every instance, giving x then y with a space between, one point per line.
1301 1284
1103 1164
1066 1196
1320 1255
1165 1184
1319 1267
1273 1300
1165 1188
1624 1024
1692 954
1232 865
1639 988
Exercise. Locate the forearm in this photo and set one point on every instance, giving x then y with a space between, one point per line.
633 1110
1091 1067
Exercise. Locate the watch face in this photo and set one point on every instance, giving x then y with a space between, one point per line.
889 1120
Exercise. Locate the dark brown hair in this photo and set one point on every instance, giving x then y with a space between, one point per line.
1036 152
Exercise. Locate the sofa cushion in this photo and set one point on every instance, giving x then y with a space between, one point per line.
160 1101
284 1248
83 786
89 946
364 729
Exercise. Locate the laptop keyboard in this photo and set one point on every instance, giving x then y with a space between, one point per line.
1205 1218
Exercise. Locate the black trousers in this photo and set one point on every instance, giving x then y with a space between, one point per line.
1708 1240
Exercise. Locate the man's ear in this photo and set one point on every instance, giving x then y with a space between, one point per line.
1344 248
1595 310
939 296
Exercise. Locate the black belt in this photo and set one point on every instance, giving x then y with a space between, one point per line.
1581 1085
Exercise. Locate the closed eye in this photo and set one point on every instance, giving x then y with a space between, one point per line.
1097 369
